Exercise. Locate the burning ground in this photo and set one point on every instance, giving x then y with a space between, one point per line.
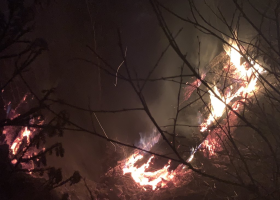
235 83
144 176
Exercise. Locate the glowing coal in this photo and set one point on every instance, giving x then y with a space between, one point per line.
19 137
246 74
25 133
141 175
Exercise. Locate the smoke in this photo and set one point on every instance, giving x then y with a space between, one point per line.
147 141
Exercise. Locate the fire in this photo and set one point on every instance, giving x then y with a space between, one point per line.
190 88
210 145
141 175
244 78
245 73
145 178
19 138
18 141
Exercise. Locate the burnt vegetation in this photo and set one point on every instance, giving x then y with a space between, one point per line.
240 158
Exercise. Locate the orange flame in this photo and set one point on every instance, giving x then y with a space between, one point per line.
145 178
247 75
18 141
141 175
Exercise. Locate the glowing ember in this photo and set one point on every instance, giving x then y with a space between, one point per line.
18 141
210 146
14 161
141 175
244 73
18 138
190 88
145 178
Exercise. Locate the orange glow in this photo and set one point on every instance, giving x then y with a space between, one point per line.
18 141
146 178
17 137
244 77
141 175
247 75
210 146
